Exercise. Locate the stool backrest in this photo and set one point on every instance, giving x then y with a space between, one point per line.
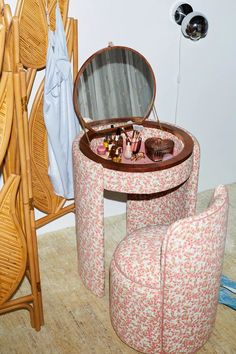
192 258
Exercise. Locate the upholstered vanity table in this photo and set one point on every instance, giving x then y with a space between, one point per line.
116 86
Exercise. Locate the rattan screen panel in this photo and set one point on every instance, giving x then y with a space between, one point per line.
2 43
64 4
6 112
44 197
34 29
13 253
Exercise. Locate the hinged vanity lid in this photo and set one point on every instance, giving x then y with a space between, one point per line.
114 83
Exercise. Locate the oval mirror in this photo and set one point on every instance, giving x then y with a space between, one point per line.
114 83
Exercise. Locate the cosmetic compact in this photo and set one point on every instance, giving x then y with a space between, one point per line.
156 148
116 88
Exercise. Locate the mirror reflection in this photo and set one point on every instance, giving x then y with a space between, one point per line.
116 83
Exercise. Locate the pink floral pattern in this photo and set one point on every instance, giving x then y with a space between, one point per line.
88 184
90 180
174 205
164 282
132 265
147 182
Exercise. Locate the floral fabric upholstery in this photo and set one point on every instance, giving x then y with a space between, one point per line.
132 255
164 281
169 207
88 186
90 180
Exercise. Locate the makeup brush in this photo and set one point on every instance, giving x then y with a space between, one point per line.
127 136
137 129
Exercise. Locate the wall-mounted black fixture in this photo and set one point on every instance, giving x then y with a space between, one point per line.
194 25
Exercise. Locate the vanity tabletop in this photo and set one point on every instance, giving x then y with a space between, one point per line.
183 148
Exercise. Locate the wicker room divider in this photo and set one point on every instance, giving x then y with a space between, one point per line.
24 167
18 243
33 57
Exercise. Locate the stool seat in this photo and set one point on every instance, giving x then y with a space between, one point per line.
138 255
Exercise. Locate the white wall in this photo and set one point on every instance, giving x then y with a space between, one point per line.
207 90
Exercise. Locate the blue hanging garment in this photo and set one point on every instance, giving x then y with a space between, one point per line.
227 293
59 116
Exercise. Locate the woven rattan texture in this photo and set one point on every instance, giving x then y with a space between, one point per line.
2 41
6 111
13 252
44 197
34 29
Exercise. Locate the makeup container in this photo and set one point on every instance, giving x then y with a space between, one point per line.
137 145
156 148
128 151
136 140
101 149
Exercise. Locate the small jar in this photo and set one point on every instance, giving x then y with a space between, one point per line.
137 145
101 149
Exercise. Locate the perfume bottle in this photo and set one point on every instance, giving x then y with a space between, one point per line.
112 151
116 143
119 138
105 141
110 142
112 134
128 151
117 156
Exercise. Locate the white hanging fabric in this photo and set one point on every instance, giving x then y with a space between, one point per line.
59 116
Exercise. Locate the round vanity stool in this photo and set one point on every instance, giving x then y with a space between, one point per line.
135 292
164 281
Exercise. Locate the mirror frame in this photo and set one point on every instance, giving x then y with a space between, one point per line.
95 123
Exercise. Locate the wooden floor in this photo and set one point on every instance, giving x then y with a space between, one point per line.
77 322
